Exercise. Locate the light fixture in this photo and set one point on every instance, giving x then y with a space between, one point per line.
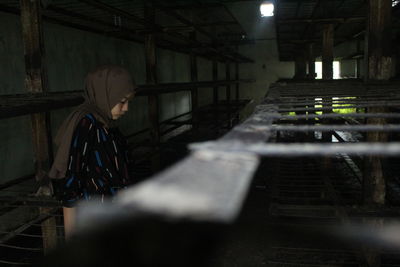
267 9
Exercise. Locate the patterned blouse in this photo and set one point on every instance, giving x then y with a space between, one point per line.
97 163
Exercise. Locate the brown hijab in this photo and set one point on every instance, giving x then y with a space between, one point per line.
104 88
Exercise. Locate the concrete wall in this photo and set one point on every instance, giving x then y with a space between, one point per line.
348 66
267 67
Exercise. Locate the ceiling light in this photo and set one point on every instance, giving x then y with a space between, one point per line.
267 9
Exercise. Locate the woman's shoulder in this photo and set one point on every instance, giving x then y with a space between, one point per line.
89 121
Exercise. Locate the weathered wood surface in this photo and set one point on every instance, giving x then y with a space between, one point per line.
36 82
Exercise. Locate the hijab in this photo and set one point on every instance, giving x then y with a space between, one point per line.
105 86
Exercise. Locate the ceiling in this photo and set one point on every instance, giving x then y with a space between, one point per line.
301 22
219 25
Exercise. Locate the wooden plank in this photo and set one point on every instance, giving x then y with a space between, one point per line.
36 82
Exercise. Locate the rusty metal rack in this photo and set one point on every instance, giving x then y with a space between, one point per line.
212 182
288 127
236 154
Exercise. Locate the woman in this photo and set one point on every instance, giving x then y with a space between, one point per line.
92 159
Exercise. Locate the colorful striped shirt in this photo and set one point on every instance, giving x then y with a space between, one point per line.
98 163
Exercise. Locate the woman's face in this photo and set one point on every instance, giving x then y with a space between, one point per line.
121 107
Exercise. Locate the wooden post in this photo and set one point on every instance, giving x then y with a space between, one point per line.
237 92
379 69
151 78
36 82
216 94
358 61
228 93
194 78
300 63
215 78
311 61
327 68
327 52
379 39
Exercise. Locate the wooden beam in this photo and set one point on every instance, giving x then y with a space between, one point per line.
327 52
36 82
